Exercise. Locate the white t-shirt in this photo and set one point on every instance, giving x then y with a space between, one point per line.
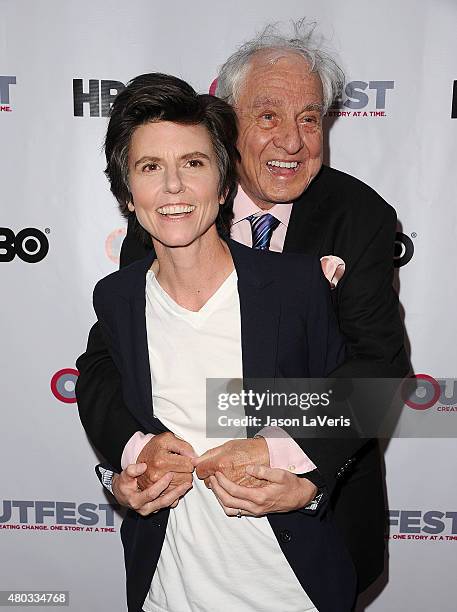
209 562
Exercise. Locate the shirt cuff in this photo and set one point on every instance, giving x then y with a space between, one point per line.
106 477
134 447
285 452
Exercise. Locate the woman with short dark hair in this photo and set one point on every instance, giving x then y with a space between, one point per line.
201 306
161 97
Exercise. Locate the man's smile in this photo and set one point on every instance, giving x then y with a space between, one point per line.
278 167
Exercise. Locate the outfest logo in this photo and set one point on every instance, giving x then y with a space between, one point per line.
5 84
429 392
423 525
63 384
113 244
362 99
70 516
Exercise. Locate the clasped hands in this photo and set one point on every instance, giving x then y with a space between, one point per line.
238 472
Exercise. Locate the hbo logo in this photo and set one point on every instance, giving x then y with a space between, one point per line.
29 244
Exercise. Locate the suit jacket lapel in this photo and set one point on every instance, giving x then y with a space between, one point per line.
140 365
305 232
260 312
134 343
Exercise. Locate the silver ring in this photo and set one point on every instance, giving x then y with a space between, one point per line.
238 514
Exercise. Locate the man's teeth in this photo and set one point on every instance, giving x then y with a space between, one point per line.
280 164
175 209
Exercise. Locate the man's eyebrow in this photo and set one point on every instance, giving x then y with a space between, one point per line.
265 101
314 107
261 102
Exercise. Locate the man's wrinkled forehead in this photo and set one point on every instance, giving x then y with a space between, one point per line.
273 75
263 101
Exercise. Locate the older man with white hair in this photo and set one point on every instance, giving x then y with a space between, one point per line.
281 87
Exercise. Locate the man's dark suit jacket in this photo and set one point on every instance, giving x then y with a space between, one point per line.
288 330
336 215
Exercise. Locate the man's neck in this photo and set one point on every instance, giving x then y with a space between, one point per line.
263 205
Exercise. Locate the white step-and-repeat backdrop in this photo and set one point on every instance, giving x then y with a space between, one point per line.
61 63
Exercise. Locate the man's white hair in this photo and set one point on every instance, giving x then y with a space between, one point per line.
302 40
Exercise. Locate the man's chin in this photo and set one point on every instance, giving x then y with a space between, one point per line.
286 193
286 196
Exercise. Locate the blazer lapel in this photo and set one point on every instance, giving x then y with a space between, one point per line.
305 232
140 367
134 344
260 312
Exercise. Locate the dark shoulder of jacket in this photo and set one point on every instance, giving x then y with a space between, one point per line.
354 195
118 282
133 248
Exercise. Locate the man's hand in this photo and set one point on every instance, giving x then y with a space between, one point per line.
166 453
232 458
152 499
282 492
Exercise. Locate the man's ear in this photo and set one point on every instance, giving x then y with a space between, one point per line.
131 207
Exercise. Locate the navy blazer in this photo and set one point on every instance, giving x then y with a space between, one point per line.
288 330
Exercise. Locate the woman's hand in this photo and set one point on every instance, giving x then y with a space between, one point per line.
154 498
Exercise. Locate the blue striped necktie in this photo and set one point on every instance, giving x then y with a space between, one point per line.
262 228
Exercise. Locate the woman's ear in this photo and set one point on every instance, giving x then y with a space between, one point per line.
223 197
131 207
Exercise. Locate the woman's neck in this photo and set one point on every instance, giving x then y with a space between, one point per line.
192 274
